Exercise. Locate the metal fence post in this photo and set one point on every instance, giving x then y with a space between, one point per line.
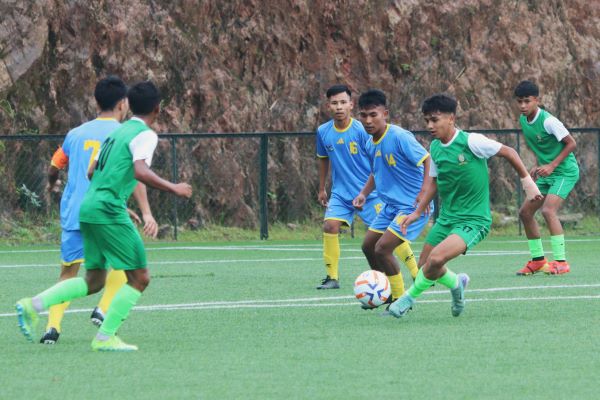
264 154
519 189
174 176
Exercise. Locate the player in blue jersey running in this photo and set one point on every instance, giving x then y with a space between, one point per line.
341 147
77 153
399 167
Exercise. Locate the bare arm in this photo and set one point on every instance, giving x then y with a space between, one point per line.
511 155
141 197
52 177
360 200
91 169
531 190
427 181
570 146
145 175
323 172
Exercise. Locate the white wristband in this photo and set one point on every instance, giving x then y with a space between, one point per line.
530 188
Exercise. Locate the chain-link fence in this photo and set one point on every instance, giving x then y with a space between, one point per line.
252 180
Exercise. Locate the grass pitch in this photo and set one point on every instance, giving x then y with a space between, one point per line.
243 321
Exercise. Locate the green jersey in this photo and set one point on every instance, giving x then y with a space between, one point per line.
460 167
113 181
544 137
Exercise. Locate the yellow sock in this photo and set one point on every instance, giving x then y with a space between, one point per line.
397 284
55 315
114 281
331 254
406 255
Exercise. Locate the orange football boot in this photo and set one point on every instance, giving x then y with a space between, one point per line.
558 268
534 266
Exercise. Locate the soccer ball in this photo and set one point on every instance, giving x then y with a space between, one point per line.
372 288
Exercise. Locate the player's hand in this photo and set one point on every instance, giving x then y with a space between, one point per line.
150 226
532 192
322 196
409 219
545 170
533 172
134 217
359 201
183 190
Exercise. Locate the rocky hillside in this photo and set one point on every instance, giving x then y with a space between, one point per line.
235 66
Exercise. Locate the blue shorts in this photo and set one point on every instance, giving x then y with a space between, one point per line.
343 210
71 247
391 217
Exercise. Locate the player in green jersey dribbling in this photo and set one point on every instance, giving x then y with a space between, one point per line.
460 177
109 236
556 173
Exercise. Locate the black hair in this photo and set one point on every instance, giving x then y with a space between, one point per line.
527 88
439 103
337 89
143 98
109 91
372 98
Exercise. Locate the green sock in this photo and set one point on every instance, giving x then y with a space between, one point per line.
421 284
63 291
558 247
122 303
449 279
535 248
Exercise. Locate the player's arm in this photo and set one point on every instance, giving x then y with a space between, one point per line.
59 161
360 200
423 206
141 197
427 181
144 174
570 145
531 190
323 172
91 169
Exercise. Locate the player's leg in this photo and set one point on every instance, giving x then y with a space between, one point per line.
71 249
527 212
331 253
124 251
57 311
338 212
114 281
404 250
28 309
384 254
553 203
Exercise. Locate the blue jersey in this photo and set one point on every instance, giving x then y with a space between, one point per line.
397 159
81 146
346 150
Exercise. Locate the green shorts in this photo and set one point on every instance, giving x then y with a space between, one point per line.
118 246
558 185
470 233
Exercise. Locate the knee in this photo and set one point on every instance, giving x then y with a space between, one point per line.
367 248
548 212
139 281
94 286
381 250
436 261
331 228
525 213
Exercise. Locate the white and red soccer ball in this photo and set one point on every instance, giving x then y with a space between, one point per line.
372 288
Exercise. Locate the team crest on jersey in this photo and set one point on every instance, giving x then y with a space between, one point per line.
378 153
539 138
329 147
341 141
461 159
